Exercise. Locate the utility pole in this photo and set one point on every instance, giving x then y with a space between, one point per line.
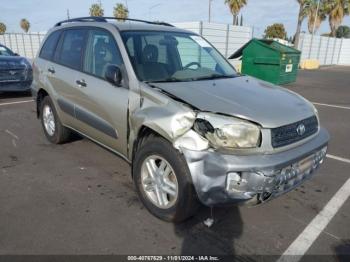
127 6
68 15
150 8
100 3
209 18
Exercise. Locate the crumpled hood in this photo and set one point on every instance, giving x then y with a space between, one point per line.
245 97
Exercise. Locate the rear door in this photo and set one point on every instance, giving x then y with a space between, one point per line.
42 78
101 108
61 72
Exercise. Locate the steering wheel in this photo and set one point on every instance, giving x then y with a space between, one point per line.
192 64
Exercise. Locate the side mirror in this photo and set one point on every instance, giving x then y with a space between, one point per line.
16 54
113 75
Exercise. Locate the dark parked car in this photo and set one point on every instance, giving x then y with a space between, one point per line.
16 73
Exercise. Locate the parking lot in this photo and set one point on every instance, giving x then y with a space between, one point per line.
78 198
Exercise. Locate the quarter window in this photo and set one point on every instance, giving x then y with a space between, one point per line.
72 48
101 51
49 46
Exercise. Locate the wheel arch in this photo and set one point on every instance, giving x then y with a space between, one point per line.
42 93
143 133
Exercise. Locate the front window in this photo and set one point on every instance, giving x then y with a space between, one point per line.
171 56
101 51
5 51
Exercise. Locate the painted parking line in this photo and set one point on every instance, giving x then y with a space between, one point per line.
330 105
304 241
342 159
17 102
11 134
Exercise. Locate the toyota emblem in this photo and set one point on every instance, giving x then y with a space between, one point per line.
301 129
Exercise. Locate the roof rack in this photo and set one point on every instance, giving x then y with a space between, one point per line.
105 18
82 19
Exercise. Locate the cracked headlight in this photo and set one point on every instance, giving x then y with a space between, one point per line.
227 132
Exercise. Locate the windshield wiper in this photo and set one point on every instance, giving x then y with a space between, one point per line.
213 76
208 77
170 79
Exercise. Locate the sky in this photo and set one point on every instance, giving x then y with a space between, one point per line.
43 14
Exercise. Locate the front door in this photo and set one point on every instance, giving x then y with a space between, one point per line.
101 108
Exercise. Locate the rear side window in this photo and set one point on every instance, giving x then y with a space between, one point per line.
72 48
49 46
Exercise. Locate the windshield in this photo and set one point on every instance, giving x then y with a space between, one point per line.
5 51
171 57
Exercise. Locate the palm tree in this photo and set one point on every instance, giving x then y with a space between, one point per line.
25 25
303 10
120 11
337 9
313 19
235 7
96 10
2 28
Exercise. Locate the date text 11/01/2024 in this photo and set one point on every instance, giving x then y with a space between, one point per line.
173 258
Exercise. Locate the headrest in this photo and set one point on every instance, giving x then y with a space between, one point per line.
150 53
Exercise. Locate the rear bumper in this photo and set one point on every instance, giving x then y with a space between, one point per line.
22 86
256 178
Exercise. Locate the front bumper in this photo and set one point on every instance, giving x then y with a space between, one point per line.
20 86
260 177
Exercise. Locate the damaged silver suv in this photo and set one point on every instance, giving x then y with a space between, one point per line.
165 100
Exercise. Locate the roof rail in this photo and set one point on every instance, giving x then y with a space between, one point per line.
141 21
105 18
82 19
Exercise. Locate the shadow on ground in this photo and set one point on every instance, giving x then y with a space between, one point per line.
342 251
218 239
6 95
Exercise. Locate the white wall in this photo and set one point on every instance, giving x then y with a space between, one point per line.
328 50
226 38
344 58
26 45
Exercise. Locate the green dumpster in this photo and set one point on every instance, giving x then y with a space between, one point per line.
269 60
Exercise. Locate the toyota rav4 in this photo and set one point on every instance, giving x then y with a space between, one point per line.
165 100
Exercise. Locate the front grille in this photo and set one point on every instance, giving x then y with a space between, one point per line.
286 135
11 75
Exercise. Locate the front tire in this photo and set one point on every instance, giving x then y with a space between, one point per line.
54 131
163 181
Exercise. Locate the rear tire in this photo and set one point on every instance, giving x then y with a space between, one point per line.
54 131
172 171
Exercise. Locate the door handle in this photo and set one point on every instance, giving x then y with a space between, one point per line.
81 83
51 70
